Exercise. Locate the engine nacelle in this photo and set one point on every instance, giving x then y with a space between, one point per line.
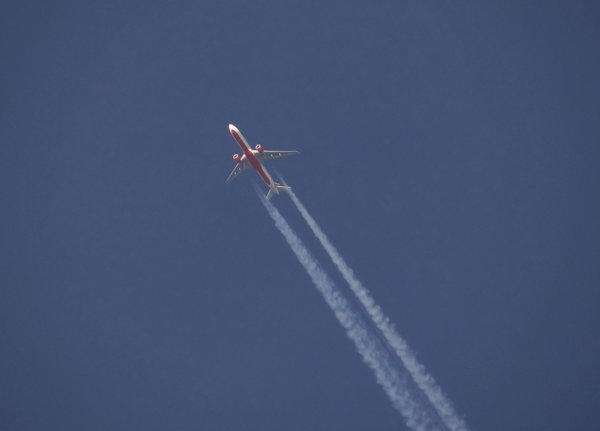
237 158
259 148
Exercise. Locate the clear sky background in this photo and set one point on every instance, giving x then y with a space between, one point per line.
449 150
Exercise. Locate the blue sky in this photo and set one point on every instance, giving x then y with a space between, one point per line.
449 150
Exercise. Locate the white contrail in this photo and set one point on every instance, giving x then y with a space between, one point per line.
373 353
424 381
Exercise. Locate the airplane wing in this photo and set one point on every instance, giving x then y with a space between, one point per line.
270 155
239 168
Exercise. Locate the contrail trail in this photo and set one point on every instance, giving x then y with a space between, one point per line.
423 380
373 353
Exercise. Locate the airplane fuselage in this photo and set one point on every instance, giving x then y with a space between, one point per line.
250 154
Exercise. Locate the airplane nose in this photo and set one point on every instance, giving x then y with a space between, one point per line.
232 128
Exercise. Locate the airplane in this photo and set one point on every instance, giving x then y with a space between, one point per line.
255 158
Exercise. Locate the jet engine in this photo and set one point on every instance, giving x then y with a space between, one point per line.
237 158
259 148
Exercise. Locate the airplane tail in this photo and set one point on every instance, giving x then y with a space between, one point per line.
278 188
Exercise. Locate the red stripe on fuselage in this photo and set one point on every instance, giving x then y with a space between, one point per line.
251 157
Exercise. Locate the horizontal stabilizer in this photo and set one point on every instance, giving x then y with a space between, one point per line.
278 188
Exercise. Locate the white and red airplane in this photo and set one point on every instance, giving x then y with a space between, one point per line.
255 158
